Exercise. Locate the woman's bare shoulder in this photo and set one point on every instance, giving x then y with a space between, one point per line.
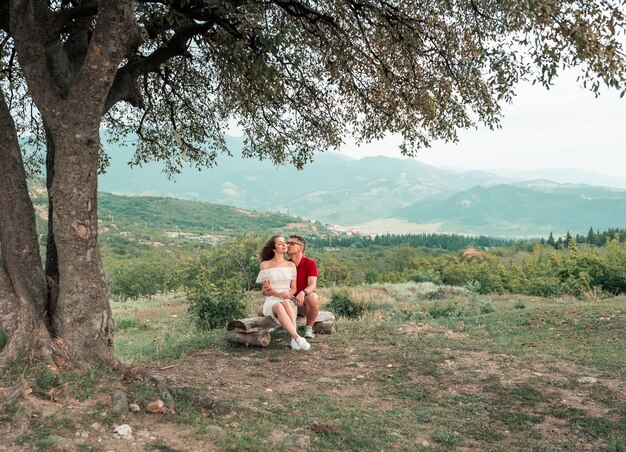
290 264
265 265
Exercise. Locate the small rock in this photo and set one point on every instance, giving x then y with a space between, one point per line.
269 390
96 426
63 443
165 395
389 365
216 431
156 406
124 431
425 443
134 407
325 380
587 380
292 442
120 403
82 434
360 377
245 358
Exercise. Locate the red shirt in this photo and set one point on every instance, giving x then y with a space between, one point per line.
307 267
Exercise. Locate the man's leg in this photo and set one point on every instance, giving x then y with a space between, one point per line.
311 309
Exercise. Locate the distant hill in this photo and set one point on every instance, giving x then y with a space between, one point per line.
564 176
381 194
334 189
153 218
537 208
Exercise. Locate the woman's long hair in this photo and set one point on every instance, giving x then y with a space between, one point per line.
267 252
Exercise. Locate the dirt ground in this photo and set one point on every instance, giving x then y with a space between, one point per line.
235 380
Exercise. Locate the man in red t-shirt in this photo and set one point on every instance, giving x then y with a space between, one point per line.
306 283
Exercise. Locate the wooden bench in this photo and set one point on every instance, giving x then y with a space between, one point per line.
256 330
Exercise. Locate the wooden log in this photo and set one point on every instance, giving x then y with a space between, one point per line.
323 317
251 324
255 324
261 338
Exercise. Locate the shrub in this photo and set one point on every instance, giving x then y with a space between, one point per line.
131 323
342 305
438 311
212 306
442 292
3 340
426 276
142 277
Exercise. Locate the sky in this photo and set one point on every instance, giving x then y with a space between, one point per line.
561 128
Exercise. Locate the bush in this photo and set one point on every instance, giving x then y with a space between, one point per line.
343 306
3 340
131 323
142 277
426 276
212 306
438 311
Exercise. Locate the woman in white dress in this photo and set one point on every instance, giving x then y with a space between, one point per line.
281 274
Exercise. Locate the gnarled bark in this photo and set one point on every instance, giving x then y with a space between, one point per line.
69 83
82 315
23 290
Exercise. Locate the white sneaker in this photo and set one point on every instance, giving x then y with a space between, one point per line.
303 344
295 345
308 332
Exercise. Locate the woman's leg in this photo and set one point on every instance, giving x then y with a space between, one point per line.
289 308
285 320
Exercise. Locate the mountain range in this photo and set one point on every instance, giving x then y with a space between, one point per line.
383 194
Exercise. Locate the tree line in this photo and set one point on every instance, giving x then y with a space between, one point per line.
530 268
449 242
598 238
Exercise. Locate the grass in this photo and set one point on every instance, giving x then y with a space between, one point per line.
414 372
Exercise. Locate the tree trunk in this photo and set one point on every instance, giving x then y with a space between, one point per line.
69 84
23 290
52 260
82 314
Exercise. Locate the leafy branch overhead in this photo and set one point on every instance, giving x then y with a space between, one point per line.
298 76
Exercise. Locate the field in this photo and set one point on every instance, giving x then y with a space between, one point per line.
424 368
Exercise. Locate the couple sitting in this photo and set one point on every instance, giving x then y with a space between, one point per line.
289 286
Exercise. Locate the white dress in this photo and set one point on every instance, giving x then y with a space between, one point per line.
280 279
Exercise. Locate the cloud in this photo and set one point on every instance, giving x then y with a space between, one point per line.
230 190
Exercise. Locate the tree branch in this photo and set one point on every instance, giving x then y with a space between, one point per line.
124 85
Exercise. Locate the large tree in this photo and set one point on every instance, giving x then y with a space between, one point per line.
297 75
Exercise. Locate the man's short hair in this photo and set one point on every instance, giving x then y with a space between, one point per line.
299 239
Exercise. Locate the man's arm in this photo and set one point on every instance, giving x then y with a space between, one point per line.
310 288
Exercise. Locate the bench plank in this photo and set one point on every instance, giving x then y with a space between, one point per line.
261 338
326 319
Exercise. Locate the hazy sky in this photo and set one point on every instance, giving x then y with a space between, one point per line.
564 127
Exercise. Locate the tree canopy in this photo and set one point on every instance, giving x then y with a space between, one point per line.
299 75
